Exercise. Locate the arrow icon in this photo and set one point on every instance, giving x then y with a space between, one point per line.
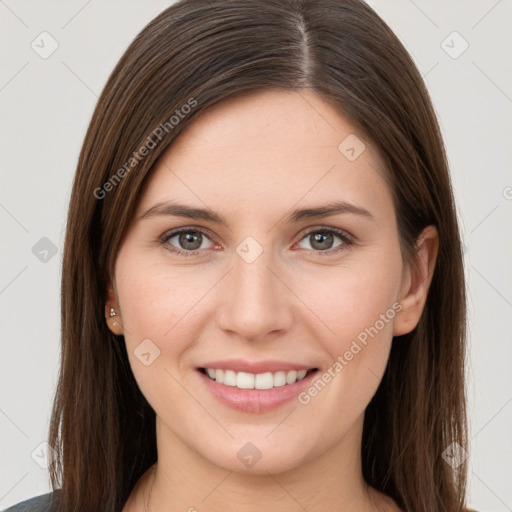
44 44
44 250
454 45
249 455
351 147
43 455
255 249
146 352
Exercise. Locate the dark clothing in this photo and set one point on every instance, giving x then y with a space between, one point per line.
43 503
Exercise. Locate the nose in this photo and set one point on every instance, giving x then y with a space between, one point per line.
255 301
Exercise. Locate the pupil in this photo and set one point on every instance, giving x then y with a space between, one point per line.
190 241
321 239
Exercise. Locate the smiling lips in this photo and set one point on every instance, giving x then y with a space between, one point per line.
255 387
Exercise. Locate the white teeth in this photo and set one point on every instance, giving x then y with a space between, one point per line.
245 380
229 378
291 377
264 381
279 379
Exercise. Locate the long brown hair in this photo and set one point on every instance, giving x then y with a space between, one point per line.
198 53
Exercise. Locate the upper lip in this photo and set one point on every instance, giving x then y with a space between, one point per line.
242 365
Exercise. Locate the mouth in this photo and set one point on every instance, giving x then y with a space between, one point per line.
260 381
255 392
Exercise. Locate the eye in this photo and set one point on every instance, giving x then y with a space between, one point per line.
190 241
186 242
322 240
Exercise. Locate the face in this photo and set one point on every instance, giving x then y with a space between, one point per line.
261 286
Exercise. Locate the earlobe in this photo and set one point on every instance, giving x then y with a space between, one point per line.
112 313
417 281
113 320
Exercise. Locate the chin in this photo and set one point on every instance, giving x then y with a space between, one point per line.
257 456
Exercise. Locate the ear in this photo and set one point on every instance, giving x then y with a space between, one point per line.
111 306
416 282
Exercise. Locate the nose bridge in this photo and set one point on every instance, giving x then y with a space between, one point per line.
256 302
254 279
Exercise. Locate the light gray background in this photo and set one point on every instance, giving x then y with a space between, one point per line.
46 105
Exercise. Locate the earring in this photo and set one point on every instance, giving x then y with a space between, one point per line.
114 321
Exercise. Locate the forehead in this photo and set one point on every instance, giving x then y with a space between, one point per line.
267 149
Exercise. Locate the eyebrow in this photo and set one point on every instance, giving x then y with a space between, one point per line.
182 210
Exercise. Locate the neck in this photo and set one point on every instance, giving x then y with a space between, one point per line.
184 480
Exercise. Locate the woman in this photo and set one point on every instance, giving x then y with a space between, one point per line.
263 300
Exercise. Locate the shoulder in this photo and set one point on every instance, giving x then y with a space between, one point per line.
43 503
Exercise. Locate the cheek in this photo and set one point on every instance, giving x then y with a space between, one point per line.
163 310
360 347
351 299
156 307
358 306
153 295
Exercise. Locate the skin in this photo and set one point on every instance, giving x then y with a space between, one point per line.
252 160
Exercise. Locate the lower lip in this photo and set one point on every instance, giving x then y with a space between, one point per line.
255 400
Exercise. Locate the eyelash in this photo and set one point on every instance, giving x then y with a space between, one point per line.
347 240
